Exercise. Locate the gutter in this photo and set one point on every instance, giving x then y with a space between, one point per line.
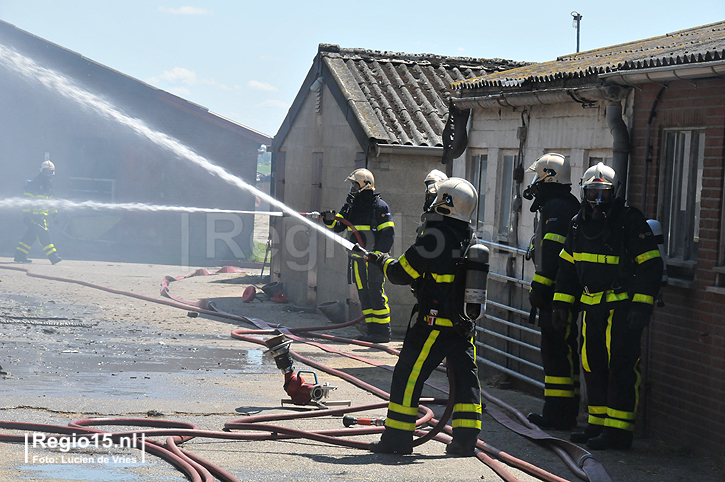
411 150
580 95
688 72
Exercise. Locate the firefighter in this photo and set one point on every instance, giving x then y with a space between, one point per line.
431 187
610 264
440 330
551 192
36 217
371 218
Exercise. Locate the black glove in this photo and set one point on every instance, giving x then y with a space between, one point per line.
378 259
637 320
560 318
327 216
538 299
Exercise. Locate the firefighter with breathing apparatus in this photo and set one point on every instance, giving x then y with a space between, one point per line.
36 217
371 218
612 266
451 296
553 202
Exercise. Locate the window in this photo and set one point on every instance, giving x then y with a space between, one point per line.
480 168
682 185
505 181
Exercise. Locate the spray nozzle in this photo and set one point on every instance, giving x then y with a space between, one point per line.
279 348
358 251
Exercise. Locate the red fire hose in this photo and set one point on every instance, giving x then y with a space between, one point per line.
198 469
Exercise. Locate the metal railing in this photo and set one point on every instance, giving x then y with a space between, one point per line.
509 331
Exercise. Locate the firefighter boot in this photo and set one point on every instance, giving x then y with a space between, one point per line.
393 441
21 257
376 333
463 443
54 258
556 415
589 432
611 438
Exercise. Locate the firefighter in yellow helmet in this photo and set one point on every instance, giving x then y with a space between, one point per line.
441 329
611 265
36 217
371 218
550 191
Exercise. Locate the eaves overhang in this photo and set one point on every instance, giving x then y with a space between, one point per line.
668 73
582 95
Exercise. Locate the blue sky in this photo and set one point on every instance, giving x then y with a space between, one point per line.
246 60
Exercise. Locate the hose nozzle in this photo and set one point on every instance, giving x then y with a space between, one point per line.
349 420
358 251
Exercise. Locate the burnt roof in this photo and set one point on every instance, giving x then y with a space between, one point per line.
699 44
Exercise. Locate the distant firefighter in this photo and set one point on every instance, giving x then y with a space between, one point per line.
36 217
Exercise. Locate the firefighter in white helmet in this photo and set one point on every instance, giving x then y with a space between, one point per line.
555 206
36 217
610 264
431 187
370 216
441 330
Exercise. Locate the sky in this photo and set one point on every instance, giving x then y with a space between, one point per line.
247 60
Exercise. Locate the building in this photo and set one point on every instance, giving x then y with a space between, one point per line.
654 110
114 160
359 108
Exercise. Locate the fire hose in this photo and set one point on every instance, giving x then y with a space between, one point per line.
194 466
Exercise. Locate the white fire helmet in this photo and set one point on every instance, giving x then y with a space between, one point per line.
363 178
47 168
551 167
456 198
599 185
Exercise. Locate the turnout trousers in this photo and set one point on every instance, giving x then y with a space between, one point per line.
610 354
370 283
424 348
560 359
39 232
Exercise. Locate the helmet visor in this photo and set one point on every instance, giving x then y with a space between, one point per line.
599 194
354 187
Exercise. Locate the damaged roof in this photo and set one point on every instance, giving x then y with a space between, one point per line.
694 45
388 97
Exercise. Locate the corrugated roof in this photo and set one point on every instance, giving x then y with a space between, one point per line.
699 44
396 98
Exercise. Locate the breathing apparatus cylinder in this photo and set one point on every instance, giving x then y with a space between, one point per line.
656 228
476 266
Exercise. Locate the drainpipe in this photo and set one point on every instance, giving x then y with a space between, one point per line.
620 146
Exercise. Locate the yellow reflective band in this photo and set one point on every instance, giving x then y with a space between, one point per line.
358 280
439 321
385 266
558 393
389 224
543 280
466 423
593 299
381 321
409 427
592 420
408 268
384 311
596 410
467 407
443 278
596 258
415 372
563 297
610 422
361 227
48 247
26 251
368 311
24 245
617 296
559 380
566 256
397 408
643 299
585 358
647 256
558 238
620 414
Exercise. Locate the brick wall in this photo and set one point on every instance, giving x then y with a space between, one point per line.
684 393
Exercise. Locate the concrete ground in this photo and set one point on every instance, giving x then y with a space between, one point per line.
70 351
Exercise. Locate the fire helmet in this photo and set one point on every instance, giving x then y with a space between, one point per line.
599 185
551 167
456 198
363 178
434 176
47 168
